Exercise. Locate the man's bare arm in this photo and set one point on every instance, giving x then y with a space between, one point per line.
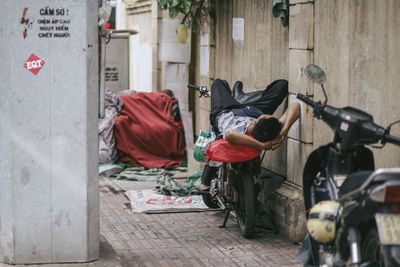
243 139
291 114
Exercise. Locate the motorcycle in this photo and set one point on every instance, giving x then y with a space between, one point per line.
352 210
232 187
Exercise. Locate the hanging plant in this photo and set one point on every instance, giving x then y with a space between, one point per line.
195 12
175 6
182 33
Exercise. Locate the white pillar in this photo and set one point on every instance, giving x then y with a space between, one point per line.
49 207
120 15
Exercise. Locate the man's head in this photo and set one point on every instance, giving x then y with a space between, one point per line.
266 129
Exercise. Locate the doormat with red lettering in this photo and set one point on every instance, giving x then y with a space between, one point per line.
148 201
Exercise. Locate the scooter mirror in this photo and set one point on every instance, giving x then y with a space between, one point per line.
315 73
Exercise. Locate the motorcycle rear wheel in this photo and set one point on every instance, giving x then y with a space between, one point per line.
246 205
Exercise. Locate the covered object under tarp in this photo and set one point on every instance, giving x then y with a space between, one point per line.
146 132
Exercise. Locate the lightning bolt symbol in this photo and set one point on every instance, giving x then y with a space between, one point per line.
24 21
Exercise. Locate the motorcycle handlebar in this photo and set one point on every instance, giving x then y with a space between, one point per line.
370 130
392 139
306 100
191 86
202 90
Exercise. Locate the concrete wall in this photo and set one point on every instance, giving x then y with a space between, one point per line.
257 54
137 15
354 41
147 72
301 53
49 199
357 43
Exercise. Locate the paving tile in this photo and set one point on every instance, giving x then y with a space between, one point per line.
183 239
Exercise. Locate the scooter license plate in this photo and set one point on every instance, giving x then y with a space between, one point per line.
388 228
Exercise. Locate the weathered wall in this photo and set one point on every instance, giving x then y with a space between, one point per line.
263 54
139 17
258 59
357 43
301 53
201 72
49 199
354 41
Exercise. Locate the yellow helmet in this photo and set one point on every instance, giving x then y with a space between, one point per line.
321 222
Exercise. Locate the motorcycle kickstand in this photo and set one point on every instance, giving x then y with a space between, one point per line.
227 212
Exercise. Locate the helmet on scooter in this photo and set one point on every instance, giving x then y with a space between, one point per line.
321 222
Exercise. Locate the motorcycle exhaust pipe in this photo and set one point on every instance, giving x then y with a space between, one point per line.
354 240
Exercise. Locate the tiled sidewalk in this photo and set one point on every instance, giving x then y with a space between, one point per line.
182 239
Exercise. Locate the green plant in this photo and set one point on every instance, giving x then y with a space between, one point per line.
175 6
194 11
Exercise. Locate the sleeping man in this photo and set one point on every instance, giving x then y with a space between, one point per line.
249 122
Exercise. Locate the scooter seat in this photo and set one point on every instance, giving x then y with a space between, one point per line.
225 151
354 181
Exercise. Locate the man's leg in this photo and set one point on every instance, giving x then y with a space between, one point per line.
208 174
272 97
221 99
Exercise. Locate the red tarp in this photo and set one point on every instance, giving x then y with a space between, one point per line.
146 133
225 151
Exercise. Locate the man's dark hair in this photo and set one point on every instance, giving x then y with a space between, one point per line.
266 129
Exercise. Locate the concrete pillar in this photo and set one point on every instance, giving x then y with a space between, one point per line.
139 18
120 15
204 58
49 206
287 202
301 53
156 16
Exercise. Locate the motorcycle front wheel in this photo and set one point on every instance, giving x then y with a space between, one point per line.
209 201
206 176
246 205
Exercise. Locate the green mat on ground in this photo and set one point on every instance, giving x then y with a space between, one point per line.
165 185
125 171
140 174
171 187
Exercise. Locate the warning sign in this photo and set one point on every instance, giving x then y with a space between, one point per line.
54 23
34 64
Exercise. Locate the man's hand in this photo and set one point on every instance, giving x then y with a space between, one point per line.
279 140
287 119
272 144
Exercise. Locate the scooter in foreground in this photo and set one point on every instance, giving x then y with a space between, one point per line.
352 210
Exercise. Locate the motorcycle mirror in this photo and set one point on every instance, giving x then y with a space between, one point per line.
315 73
390 126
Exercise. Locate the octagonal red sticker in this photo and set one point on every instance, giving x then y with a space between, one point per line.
34 64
